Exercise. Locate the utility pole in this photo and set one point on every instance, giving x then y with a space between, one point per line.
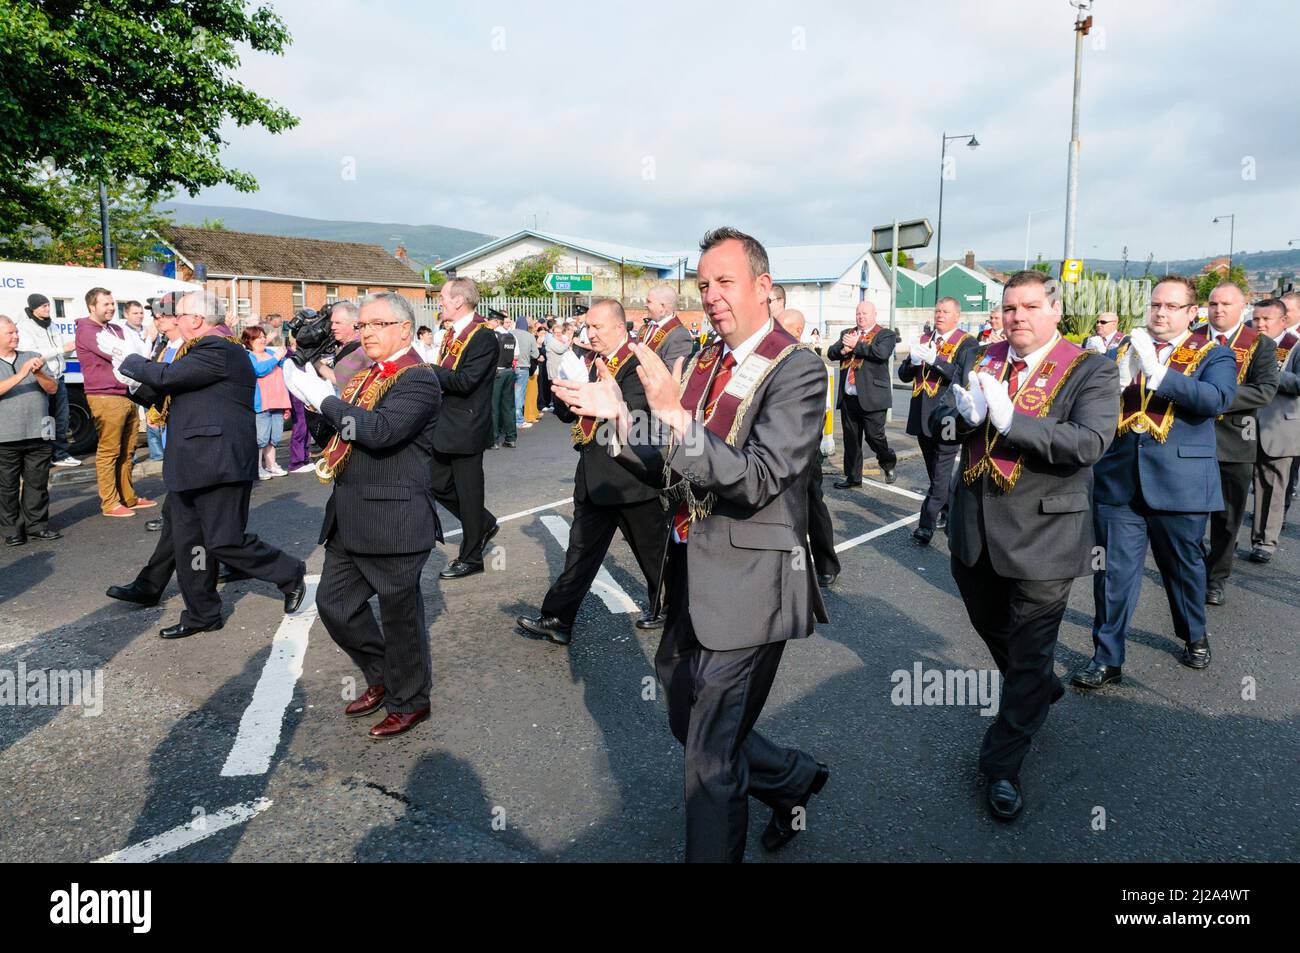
1125 275
1082 26
103 225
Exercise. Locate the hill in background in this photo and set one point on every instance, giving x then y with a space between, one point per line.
1286 260
424 243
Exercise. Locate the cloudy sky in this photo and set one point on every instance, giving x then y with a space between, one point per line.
801 122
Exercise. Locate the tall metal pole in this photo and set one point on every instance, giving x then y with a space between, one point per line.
103 225
938 244
1029 223
1232 232
893 306
1082 25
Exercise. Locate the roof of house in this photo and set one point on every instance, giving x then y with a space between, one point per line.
809 263
250 255
978 271
639 257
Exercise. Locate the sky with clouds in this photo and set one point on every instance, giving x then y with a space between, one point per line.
800 122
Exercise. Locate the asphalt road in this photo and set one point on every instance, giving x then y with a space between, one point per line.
535 752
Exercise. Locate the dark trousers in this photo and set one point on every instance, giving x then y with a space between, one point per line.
714 698
209 526
821 534
458 486
940 458
642 525
859 423
543 387
1235 479
396 655
1123 533
1019 620
24 485
503 405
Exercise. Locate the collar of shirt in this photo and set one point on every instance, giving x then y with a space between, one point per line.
396 354
747 346
1231 333
460 324
1278 339
1033 359
1175 344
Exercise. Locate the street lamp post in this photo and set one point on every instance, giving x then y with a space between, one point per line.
1232 229
1082 24
973 143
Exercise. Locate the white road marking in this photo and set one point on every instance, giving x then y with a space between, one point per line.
910 494
514 516
259 729
878 531
199 829
606 586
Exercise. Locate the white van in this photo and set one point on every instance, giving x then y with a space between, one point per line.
66 288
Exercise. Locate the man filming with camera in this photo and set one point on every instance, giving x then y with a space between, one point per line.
380 521
349 358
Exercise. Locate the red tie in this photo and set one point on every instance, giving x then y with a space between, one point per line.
1013 383
682 518
1223 339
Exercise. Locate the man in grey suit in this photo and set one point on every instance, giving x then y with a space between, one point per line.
744 431
1279 432
380 521
1036 414
664 331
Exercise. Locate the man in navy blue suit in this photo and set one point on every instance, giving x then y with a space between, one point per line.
1159 481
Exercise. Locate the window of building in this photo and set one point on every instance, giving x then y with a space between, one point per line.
243 307
331 294
300 295
61 307
362 292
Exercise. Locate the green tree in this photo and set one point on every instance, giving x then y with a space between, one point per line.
215 224
904 259
123 91
524 277
1208 281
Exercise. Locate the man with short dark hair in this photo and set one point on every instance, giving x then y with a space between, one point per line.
505 428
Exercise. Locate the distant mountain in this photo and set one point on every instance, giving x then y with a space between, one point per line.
424 243
1286 260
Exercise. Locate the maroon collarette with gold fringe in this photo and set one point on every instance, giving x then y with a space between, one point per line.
584 428
364 390
452 349
657 337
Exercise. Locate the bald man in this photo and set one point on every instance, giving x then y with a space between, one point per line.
865 394
821 533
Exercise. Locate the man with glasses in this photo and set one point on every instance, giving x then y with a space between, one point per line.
1159 481
1107 337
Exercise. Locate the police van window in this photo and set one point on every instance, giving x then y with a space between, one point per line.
61 307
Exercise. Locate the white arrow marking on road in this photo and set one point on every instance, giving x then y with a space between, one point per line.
520 514
879 531
606 586
259 729
173 840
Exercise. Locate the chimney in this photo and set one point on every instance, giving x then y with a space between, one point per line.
970 260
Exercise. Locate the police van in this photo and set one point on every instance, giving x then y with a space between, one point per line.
66 288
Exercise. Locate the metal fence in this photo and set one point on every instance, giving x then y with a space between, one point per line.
560 306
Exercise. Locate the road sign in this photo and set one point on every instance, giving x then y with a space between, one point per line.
1071 269
557 281
914 234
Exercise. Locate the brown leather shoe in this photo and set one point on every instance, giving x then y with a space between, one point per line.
370 699
398 722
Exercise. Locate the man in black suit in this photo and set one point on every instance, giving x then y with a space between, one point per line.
821 532
941 358
467 364
744 429
380 521
1035 416
606 496
210 464
865 393
1236 434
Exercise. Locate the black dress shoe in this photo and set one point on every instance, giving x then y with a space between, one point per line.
648 621
509 444
134 593
457 569
923 536
1214 595
293 598
546 627
827 579
1004 798
847 484
890 475
1258 555
180 630
1095 675
779 830
487 537
46 534
154 526
17 539
1197 654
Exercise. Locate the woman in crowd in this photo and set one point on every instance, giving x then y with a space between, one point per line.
270 399
26 440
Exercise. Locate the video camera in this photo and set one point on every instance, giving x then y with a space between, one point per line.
313 337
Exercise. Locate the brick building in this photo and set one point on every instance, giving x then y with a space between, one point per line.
258 275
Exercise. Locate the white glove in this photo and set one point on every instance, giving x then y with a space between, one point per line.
113 346
970 402
923 353
306 384
1000 410
1127 370
1145 348
1095 343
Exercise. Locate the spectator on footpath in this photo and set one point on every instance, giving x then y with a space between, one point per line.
37 331
526 353
132 322
350 357
300 437
424 345
270 399
113 412
170 341
26 440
